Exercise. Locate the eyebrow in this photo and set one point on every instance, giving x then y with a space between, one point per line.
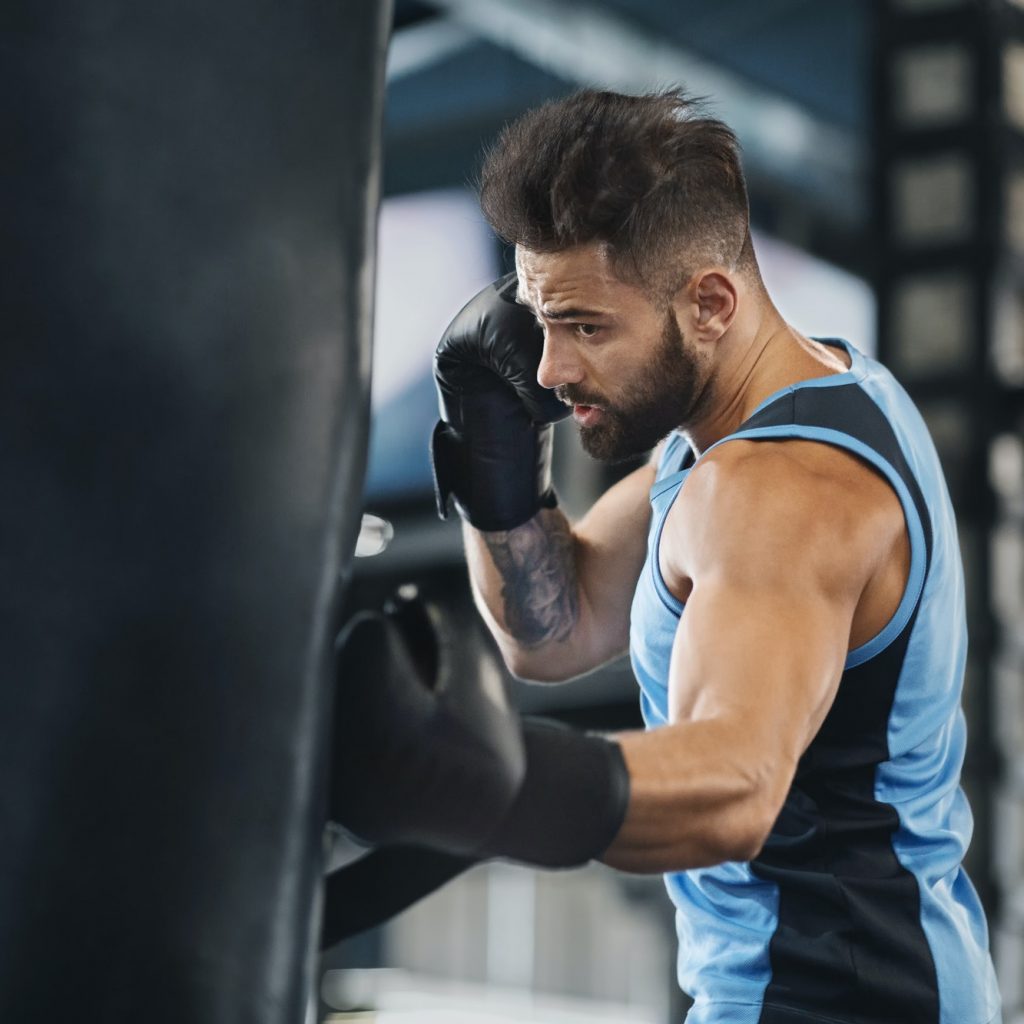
573 313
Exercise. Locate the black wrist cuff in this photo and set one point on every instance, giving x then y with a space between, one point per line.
572 802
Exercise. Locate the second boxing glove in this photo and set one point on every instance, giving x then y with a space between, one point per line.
491 450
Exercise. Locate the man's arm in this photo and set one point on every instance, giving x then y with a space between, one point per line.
784 561
776 585
555 596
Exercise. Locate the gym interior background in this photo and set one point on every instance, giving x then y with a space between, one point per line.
884 147
189 235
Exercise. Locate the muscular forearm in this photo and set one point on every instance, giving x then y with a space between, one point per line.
699 795
527 588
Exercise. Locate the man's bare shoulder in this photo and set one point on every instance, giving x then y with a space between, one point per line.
786 500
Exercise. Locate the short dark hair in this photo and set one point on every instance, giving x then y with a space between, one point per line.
651 177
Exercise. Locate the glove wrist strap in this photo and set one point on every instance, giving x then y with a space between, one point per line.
493 487
572 802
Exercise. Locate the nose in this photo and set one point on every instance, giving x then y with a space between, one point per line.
558 363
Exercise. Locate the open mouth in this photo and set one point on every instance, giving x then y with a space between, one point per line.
587 415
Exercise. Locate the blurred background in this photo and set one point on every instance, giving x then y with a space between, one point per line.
884 148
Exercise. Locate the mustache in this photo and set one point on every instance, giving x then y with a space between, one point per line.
570 395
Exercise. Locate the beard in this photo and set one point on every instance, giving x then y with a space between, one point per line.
668 393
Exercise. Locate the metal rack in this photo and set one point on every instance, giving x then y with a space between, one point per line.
948 97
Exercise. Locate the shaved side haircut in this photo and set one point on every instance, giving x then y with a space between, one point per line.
650 177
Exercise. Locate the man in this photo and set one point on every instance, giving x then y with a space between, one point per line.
784 573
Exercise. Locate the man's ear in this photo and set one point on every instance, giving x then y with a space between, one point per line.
711 303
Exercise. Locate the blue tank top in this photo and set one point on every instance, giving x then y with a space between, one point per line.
857 910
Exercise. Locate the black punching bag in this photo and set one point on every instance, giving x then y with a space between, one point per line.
190 194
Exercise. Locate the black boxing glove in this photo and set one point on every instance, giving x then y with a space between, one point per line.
424 751
491 450
428 753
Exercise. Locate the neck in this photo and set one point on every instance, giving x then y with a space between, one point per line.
750 362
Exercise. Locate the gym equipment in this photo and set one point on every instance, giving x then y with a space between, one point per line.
186 280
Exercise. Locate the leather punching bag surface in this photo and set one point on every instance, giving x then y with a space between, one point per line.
190 195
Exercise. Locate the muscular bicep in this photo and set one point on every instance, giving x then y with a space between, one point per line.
775 585
746 696
764 662
772 556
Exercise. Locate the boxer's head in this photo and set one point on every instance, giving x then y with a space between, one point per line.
630 219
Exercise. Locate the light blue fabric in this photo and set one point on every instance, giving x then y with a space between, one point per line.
726 915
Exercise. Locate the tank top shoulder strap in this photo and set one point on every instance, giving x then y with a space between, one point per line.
675 456
837 410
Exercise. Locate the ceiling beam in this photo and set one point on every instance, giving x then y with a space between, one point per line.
424 44
588 44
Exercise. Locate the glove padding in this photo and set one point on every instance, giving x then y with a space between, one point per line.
491 450
427 752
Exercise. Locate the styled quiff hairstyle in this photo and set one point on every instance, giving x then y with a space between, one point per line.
652 178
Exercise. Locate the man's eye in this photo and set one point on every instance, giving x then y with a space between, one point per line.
586 330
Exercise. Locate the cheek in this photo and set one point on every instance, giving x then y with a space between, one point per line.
622 386
621 363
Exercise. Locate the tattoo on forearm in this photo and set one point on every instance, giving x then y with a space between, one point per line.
540 590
